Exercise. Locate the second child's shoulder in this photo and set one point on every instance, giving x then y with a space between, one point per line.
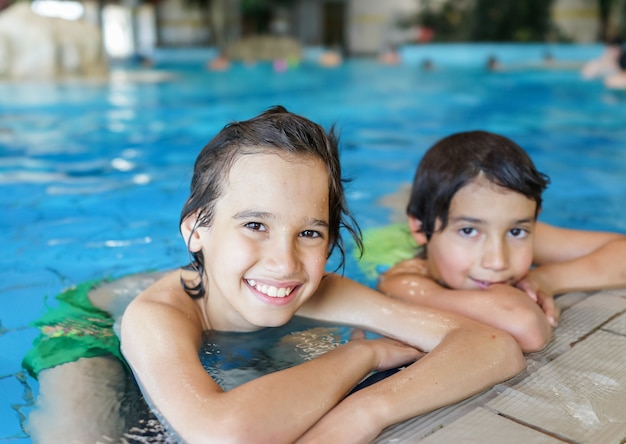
413 266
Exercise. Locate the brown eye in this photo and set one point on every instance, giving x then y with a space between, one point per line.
310 233
467 231
519 233
255 226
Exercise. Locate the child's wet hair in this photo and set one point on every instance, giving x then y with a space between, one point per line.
273 131
460 158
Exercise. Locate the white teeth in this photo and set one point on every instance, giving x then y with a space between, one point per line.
270 290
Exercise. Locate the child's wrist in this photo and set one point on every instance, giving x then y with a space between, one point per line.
362 351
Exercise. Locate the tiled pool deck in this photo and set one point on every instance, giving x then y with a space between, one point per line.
573 391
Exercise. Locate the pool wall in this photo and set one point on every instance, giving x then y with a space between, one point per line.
477 54
440 54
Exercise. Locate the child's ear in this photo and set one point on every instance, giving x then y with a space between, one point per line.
415 226
190 233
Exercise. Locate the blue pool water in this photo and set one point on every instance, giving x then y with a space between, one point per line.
93 175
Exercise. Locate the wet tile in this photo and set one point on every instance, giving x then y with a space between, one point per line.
617 325
578 395
417 428
579 320
482 426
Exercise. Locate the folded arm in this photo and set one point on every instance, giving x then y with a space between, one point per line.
500 306
465 357
575 260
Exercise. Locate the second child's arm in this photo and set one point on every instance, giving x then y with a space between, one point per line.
500 306
575 260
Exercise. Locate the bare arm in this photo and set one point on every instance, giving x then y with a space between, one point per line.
465 357
574 260
161 335
500 306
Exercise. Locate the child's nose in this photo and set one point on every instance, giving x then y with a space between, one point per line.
495 256
282 257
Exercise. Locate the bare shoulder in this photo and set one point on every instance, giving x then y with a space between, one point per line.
401 280
414 265
162 312
114 296
555 244
168 292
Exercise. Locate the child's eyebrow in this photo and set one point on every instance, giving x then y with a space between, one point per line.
264 215
471 220
475 220
253 214
528 220
318 223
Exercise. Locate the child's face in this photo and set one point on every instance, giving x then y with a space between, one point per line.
266 249
488 239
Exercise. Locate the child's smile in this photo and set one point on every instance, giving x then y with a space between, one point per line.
267 246
488 239
281 294
270 290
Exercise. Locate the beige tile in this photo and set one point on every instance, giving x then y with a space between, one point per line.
484 427
578 395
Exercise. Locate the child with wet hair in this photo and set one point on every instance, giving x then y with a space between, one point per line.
265 211
473 208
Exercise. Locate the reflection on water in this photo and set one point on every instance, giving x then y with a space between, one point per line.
235 358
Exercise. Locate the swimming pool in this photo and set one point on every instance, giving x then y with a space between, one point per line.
93 175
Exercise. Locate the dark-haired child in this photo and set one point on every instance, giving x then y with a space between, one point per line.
473 207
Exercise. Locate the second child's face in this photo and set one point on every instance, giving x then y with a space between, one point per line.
488 239
266 249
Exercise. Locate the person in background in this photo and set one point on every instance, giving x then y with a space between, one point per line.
618 79
493 64
473 209
219 63
427 65
607 63
389 55
265 212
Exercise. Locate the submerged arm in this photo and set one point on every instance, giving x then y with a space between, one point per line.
161 336
500 306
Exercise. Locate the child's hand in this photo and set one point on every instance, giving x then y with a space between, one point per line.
388 352
355 420
546 302
392 353
540 293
